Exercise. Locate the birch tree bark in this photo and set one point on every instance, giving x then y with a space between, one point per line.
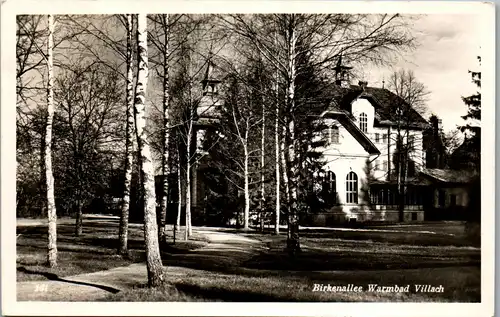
179 194
248 121
51 205
277 165
153 259
189 137
166 128
246 214
293 223
284 165
277 153
123 230
262 166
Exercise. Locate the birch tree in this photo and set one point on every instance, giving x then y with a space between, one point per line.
277 210
171 36
31 86
153 259
262 168
291 37
185 105
166 127
51 205
243 119
123 231
179 193
413 95
161 41
189 165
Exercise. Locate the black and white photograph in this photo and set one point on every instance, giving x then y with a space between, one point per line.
198 153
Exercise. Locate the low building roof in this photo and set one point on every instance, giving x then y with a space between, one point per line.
449 176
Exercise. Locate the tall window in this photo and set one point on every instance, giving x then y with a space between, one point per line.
377 138
363 122
384 138
330 188
331 135
351 188
334 134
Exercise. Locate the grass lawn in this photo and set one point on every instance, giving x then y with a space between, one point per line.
94 250
459 285
234 270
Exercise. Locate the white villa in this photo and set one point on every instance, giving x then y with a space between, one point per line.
363 128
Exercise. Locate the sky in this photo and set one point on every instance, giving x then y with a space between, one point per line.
449 46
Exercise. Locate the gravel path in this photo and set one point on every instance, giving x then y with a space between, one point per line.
93 286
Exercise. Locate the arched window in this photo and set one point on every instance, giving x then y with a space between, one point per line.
330 188
363 122
351 188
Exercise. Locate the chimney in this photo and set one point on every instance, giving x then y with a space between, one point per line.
363 84
436 124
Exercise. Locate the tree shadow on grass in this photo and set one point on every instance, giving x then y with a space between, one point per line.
319 260
217 293
280 262
54 277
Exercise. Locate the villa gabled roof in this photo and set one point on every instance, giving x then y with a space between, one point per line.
383 101
344 119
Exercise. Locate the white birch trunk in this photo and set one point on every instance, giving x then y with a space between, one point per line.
51 205
277 160
153 259
293 234
188 230
284 167
278 175
262 166
246 214
179 194
166 131
123 230
399 176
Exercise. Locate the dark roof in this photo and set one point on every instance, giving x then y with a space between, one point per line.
384 102
449 176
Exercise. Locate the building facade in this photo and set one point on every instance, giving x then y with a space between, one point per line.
369 130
